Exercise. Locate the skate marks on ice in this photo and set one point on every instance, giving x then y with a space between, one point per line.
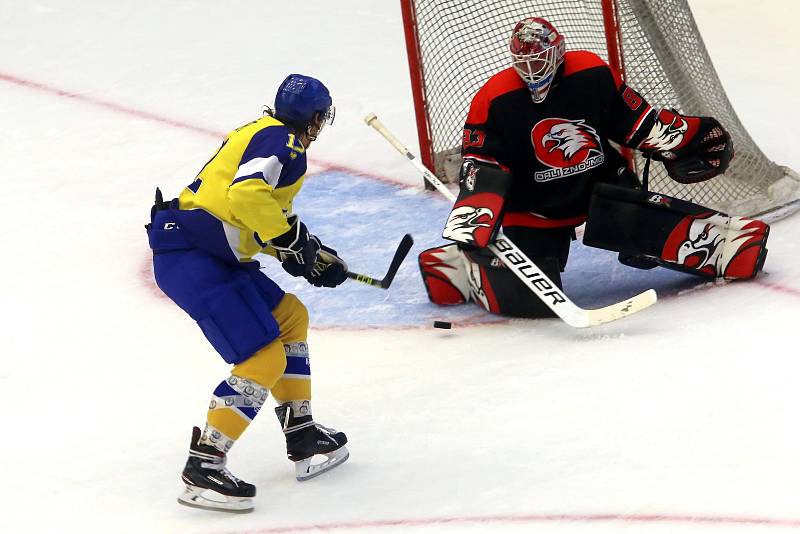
364 218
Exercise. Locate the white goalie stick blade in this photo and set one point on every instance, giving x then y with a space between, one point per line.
522 266
208 499
581 318
541 285
306 469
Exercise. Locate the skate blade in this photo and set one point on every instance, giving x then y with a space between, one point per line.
305 470
207 499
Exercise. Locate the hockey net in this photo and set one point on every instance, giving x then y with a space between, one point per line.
454 46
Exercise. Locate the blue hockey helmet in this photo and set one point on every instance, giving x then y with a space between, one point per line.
302 100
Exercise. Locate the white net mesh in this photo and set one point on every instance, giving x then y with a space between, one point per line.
462 43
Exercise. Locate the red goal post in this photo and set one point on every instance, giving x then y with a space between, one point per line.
454 46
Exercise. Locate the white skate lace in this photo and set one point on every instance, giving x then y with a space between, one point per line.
328 432
217 464
326 429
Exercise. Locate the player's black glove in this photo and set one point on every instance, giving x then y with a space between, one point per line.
297 249
329 270
706 154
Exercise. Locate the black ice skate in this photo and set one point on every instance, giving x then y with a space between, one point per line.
209 485
305 439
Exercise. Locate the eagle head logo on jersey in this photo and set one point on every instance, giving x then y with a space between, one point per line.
566 146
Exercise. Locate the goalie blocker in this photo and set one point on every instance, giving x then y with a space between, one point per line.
650 229
468 270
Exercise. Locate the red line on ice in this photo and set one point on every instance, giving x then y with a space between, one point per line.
778 287
175 123
534 518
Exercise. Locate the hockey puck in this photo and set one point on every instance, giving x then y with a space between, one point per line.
442 324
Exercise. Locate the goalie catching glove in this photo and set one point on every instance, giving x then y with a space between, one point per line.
692 149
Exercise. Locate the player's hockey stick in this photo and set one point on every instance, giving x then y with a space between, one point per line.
384 283
527 271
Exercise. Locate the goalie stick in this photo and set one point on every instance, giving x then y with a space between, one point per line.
527 271
384 283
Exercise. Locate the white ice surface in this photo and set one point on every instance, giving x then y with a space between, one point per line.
680 419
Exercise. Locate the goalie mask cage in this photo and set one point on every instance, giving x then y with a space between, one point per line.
454 46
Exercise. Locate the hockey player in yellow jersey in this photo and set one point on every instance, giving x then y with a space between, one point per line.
204 243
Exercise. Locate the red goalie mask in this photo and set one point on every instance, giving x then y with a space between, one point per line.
537 50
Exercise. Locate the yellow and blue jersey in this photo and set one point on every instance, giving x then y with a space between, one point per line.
242 196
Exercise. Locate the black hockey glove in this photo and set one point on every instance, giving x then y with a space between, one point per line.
329 270
297 249
704 155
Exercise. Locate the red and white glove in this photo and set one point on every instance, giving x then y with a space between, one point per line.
693 149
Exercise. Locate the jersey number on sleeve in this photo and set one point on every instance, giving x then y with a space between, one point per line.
473 138
631 98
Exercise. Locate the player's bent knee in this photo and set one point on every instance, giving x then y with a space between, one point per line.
265 367
292 317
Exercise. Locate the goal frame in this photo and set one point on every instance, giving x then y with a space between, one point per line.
615 38
416 72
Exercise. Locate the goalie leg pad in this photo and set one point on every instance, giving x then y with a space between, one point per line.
717 245
444 273
499 291
675 234
453 276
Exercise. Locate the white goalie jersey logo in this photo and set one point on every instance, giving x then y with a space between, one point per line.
464 221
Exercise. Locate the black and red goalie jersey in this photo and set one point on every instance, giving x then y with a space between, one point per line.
557 149
538 141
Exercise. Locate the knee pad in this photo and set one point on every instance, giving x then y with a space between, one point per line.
265 367
292 318
444 273
285 356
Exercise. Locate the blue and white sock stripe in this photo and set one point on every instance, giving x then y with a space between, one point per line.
241 395
216 438
298 364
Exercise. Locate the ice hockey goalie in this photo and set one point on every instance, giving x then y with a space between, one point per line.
539 161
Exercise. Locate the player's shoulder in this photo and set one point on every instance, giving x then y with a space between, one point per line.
504 82
269 137
265 127
579 60
584 61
